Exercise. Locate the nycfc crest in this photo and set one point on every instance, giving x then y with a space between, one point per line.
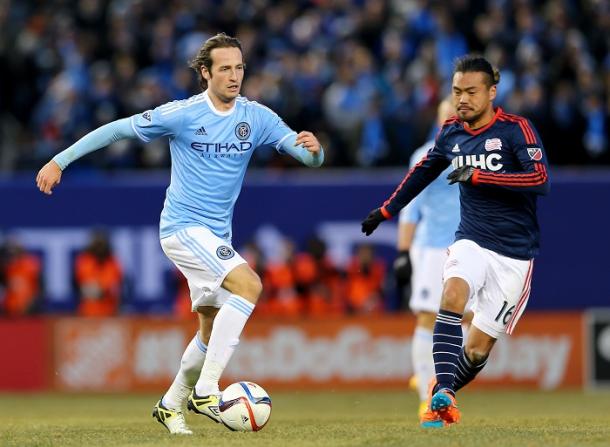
242 130
224 252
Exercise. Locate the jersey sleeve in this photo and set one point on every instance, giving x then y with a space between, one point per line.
527 147
411 213
96 139
273 129
163 121
419 176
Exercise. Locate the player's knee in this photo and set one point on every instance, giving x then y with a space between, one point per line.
252 288
244 281
475 356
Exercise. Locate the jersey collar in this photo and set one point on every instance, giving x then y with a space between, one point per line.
485 127
215 110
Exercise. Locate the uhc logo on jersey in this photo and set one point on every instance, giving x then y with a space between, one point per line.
535 153
489 162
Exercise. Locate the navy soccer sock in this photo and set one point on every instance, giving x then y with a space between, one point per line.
447 344
466 371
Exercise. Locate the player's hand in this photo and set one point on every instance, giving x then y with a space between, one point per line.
48 177
462 174
372 221
402 267
308 141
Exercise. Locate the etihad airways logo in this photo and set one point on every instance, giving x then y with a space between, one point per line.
221 150
489 162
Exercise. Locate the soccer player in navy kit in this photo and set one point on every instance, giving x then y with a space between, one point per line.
499 162
212 136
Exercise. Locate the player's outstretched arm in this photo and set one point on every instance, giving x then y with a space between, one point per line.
304 147
50 174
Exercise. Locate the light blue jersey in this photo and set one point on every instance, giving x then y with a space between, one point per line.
210 151
436 210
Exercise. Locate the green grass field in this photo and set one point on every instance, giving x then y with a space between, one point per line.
314 419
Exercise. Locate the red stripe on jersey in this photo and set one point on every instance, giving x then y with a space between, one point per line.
539 168
451 120
533 179
385 213
498 182
387 202
526 129
527 287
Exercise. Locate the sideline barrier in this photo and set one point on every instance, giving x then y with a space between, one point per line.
142 354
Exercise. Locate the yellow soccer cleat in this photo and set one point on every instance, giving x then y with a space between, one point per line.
413 382
423 407
171 419
205 405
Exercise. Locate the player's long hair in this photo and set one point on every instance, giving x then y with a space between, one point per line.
204 59
475 62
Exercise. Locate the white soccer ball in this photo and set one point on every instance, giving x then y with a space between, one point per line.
244 406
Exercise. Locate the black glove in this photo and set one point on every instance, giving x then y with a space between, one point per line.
461 174
402 267
372 221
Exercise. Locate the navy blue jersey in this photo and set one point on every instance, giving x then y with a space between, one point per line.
498 207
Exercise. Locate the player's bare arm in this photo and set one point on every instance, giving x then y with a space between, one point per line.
309 141
48 177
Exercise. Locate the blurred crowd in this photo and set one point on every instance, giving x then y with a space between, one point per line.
295 283
363 74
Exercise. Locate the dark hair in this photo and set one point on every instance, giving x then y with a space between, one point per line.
204 59
475 62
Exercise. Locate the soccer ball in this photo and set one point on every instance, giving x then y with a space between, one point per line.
244 406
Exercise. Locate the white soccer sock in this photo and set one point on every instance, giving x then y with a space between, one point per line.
190 368
227 328
423 362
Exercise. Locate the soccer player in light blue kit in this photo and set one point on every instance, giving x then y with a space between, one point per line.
426 228
212 136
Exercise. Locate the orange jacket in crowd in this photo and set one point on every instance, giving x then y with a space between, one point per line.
22 276
281 295
320 283
364 288
99 284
